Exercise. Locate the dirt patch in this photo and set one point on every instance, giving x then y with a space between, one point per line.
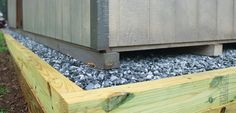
11 97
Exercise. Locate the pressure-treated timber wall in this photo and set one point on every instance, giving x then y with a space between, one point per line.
11 8
67 20
144 22
49 91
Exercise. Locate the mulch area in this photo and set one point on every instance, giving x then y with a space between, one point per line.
13 101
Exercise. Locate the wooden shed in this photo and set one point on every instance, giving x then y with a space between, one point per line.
100 29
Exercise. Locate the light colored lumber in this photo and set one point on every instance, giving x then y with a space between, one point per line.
228 108
204 92
184 94
32 102
47 84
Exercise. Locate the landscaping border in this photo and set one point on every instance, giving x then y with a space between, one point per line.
48 90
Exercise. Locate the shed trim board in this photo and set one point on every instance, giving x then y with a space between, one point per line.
205 92
99 24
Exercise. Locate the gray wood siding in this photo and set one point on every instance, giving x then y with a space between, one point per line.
144 22
12 13
67 20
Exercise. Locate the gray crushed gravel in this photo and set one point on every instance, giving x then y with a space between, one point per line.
132 69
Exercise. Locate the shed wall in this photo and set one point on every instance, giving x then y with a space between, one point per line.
67 20
144 22
12 13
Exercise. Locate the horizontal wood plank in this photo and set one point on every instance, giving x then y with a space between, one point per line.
206 92
47 84
184 94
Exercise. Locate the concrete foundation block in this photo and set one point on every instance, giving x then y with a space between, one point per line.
112 60
210 50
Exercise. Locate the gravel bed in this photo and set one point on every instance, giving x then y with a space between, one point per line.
132 69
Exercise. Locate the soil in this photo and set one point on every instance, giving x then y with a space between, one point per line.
13 101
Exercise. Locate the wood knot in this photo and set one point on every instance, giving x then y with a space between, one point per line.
116 99
216 82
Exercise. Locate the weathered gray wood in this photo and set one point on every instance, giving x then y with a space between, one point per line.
85 10
207 20
162 21
66 21
41 13
25 23
37 17
80 22
76 21
59 26
52 18
12 13
186 20
131 22
225 18
134 22
234 34
114 7
33 15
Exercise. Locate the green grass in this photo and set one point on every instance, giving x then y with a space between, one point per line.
3 47
2 110
3 90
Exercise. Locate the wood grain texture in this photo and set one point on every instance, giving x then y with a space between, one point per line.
170 21
47 84
33 104
234 34
186 21
185 94
207 20
80 22
134 22
76 20
114 18
205 92
67 20
228 108
59 26
225 19
162 21
11 13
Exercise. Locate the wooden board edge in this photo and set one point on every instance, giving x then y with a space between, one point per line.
47 84
34 106
38 61
227 108
205 91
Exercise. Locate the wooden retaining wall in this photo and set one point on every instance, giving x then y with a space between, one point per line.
48 90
